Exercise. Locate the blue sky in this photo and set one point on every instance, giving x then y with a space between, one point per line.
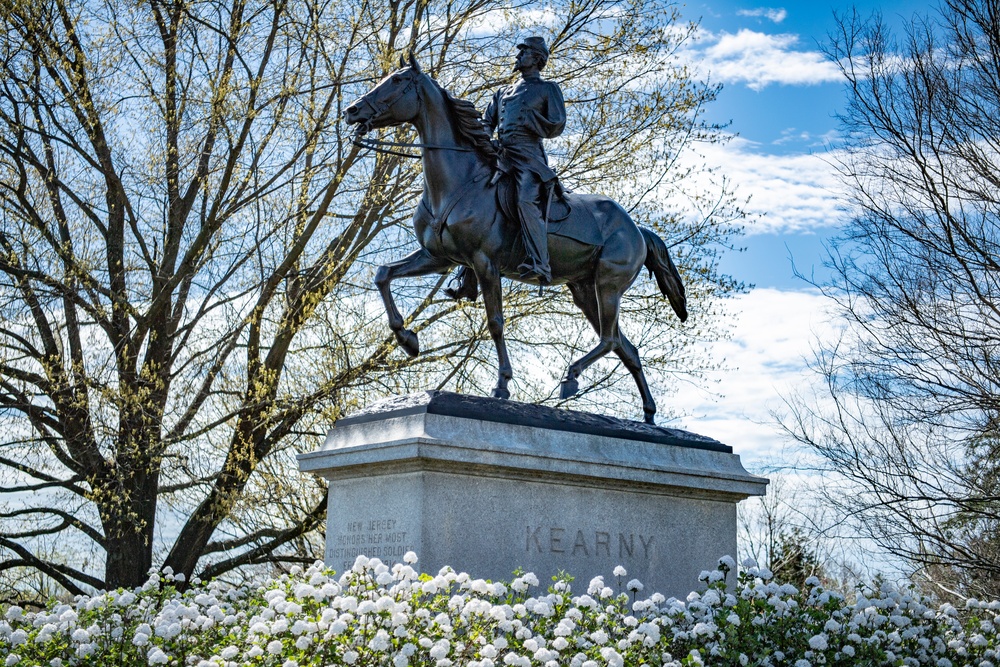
781 98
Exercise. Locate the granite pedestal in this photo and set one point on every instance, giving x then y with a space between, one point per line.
489 486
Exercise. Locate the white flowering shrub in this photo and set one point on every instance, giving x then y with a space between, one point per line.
380 615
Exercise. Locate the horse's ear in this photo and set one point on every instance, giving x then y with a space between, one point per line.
413 63
402 63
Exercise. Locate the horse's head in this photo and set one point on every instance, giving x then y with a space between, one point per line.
393 101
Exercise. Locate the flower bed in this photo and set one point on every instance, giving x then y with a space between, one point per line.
381 615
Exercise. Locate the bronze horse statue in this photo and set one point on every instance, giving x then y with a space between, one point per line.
596 250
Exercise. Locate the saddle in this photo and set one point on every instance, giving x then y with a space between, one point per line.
567 216
570 216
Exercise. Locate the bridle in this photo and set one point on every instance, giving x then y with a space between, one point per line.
380 107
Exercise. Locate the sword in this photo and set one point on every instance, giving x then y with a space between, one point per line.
545 220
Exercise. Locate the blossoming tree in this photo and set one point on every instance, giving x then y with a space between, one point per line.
187 239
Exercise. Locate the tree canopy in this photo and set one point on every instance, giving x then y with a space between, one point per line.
188 236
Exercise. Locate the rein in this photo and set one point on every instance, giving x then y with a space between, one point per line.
381 147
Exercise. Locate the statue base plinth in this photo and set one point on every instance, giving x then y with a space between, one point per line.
488 486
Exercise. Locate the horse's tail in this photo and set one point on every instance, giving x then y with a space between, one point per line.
662 267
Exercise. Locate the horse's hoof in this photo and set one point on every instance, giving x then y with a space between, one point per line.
568 388
649 413
408 341
501 393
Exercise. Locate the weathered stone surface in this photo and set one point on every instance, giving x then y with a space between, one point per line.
489 486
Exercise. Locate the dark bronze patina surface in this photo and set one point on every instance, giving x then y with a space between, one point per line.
596 249
485 409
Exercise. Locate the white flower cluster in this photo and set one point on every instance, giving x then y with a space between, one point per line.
377 614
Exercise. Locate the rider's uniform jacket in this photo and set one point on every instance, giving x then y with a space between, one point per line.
523 114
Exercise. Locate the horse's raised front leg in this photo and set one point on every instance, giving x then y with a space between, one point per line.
489 283
420 263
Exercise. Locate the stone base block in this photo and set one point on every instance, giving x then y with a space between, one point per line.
488 487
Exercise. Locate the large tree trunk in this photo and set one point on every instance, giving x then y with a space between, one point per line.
127 503
129 558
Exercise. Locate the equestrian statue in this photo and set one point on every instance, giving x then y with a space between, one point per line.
496 209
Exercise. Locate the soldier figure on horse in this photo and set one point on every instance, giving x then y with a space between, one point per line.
594 248
522 115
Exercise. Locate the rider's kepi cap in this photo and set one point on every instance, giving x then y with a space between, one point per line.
534 43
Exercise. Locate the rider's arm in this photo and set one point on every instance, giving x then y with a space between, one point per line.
551 123
491 118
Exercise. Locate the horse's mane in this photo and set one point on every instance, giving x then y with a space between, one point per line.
469 124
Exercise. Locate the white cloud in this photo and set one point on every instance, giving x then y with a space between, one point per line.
774 14
758 59
774 335
791 192
791 135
